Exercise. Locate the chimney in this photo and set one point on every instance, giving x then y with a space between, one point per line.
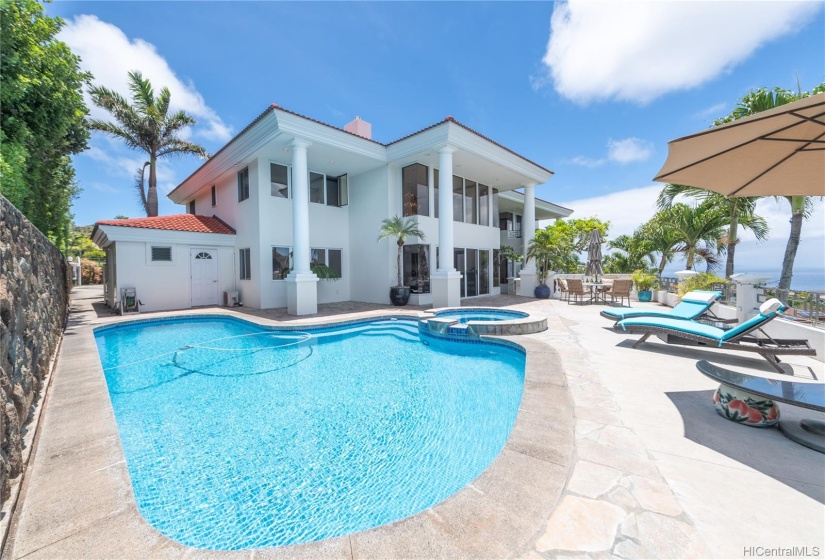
359 127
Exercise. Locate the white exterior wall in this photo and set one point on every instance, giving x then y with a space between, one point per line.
244 216
371 269
162 286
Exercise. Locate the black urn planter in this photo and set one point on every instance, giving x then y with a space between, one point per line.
399 295
542 291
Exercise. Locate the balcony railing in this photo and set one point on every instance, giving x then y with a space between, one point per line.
803 307
513 234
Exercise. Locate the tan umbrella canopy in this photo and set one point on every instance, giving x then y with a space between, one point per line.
780 151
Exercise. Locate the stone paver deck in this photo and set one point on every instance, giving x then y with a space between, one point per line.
651 472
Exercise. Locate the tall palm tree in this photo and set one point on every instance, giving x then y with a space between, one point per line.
635 253
697 229
741 212
661 238
145 125
761 100
400 229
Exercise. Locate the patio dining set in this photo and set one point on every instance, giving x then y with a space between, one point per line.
584 292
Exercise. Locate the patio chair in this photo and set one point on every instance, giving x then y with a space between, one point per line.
691 333
565 291
575 289
621 289
693 306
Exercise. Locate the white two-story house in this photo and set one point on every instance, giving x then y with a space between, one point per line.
289 191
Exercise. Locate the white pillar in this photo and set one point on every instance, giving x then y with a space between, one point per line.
302 284
529 278
445 281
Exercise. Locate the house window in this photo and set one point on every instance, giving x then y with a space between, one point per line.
495 208
470 202
245 264
279 180
280 262
328 257
483 205
417 268
191 206
496 267
243 184
415 190
316 187
483 272
161 254
458 199
214 196
435 193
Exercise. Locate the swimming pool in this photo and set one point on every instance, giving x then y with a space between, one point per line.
480 314
239 437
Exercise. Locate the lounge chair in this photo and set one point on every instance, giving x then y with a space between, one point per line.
680 331
693 305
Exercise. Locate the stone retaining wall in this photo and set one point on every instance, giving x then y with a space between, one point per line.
34 302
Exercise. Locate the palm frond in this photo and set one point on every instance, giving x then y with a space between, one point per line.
182 147
143 95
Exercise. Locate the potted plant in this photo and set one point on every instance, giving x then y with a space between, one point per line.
644 284
544 251
400 229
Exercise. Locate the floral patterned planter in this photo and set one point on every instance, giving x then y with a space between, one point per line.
745 408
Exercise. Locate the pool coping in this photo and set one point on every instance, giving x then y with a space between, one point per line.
499 514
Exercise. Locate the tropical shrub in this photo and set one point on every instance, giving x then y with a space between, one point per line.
643 280
702 281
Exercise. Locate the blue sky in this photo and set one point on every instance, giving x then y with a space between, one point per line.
592 91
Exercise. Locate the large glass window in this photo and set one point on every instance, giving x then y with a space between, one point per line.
332 191
472 272
483 205
243 184
417 268
415 190
435 192
458 199
244 264
458 264
328 257
495 207
470 202
316 187
496 268
279 180
483 272
280 262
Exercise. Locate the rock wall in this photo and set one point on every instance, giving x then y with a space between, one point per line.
34 302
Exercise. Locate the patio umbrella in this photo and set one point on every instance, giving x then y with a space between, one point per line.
780 151
594 255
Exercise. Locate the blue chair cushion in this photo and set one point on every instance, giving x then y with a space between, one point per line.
684 310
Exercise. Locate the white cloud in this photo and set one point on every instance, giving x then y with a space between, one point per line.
109 55
626 210
713 112
124 167
638 51
628 150
587 162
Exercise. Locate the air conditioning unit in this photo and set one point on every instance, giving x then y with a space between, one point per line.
231 299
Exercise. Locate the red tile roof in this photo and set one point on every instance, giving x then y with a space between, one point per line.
175 222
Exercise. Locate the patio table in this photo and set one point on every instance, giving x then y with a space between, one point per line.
595 291
749 399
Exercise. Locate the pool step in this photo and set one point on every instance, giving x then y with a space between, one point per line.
458 329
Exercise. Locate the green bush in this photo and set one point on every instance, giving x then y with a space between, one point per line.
644 281
702 281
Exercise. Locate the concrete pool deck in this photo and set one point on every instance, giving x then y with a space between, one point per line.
616 453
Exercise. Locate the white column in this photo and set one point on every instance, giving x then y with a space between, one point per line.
529 278
302 284
300 206
445 282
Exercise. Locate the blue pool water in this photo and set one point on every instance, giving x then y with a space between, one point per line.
236 437
481 314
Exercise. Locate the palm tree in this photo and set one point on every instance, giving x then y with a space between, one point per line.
145 125
697 229
635 253
760 100
661 239
741 212
400 229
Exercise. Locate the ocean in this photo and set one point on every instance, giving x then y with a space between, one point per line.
803 278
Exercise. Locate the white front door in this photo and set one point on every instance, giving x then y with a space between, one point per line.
204 276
